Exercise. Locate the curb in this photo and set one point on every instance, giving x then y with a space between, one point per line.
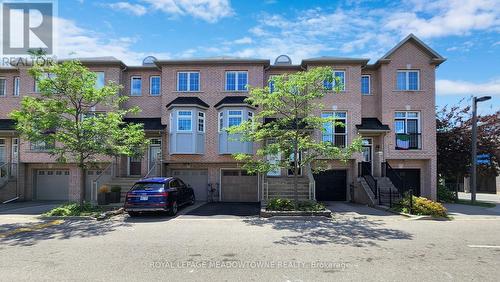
66 217
295 214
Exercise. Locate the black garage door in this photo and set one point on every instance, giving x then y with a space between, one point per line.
411 179
331 185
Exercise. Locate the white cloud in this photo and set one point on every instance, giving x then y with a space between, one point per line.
135 9
207 10
75 42
243 40
454 87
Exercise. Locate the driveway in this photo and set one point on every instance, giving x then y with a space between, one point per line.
224 210
359 211
28 208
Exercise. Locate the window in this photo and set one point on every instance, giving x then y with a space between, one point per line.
236 80
271 86
3 86
155 141
201 122
292 164
234 118
336 74
184 120
40 146
408 80
188 81
365 85
221 121
43 76
154 85
99 83
135 86
407 129
17 85
335 132
250 116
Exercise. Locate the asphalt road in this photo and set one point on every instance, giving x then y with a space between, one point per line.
358 244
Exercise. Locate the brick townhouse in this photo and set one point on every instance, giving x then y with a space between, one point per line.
186 104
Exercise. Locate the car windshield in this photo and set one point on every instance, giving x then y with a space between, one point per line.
147 186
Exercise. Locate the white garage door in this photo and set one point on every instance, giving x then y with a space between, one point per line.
52 185
238 186
198 179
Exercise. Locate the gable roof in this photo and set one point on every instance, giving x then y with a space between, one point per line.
436 58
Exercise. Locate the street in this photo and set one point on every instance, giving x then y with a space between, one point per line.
360 243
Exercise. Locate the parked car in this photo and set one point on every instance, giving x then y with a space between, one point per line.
158 194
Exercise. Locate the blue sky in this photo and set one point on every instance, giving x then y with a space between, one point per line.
466 32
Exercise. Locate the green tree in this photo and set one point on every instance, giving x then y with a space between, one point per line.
63 117
286 124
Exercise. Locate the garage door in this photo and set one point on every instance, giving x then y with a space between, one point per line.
198 179
331 185
411 179
238 186
52 185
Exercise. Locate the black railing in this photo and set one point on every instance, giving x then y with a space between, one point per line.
408 141
365 171
396 180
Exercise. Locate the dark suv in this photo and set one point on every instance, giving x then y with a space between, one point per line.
158 194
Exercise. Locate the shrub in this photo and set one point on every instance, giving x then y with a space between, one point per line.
116 189
421 206
290 205
73 209
444 195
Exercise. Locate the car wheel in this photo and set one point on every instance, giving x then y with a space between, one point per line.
192 199
132 214
173 208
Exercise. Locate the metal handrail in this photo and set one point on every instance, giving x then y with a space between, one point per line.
153 167
364 170
95 183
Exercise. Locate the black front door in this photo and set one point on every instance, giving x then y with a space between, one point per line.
411 179
331 185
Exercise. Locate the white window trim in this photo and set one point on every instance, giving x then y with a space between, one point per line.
202 118
229 116
188 80
333 113
170 122
407 74
17 86
185 117
4 86
221 117
406 118
151 83
369 85
236 81
132 86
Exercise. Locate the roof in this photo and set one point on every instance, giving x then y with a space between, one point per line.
372 124
96 60
214 60
233 100
7 124
328 59
194 101
155 180
437 59
149 123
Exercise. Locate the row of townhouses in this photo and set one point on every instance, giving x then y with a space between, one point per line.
186 104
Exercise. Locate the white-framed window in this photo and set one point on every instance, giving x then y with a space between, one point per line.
234 117
188 81
273 159
236 80
250 116
335 132
43 76
155 141
201 122
407 130
154 85
292 164
336 74
135 86
3 86
408 80
40 146
365 84
170 122
17 85
270 84
221 121
100 80
184 120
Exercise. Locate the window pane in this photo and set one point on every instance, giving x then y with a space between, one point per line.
234 121
16 86
340 126
271 86
399 126
184 124
413 80
328 85
99 80
412 126
340 114
2 86
365 85
155 85
234 112
399 114
230 81
184 113
182 83
341 75
242 81
194 81
401 81
136 86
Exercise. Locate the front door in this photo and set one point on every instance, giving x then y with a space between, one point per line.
134 166
367 150
154 152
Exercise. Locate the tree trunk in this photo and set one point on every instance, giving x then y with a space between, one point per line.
82 184
295 172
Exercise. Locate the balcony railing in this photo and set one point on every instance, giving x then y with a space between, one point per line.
408 141
337 139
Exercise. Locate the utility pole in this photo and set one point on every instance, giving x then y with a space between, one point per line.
473 179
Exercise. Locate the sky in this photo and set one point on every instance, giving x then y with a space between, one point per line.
466 32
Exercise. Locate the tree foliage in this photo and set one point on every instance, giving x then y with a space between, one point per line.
63 117
288 122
